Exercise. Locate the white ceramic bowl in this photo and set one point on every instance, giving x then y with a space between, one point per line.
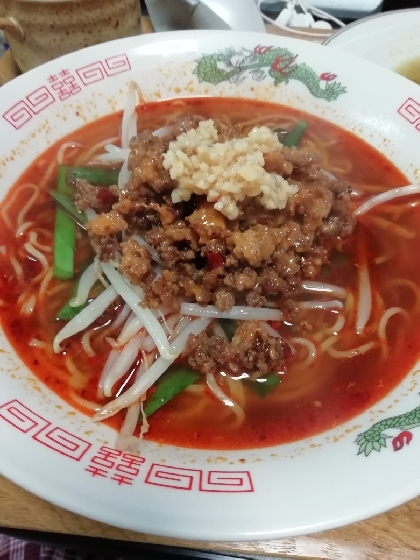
306 486
390 39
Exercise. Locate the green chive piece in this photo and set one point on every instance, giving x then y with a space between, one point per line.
294 137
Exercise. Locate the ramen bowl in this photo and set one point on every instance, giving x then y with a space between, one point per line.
345 468
389 39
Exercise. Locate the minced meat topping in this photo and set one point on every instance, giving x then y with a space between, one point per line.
249 251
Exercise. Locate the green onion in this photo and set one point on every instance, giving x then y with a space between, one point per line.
93 175
175 379
294 137
66 201
68 312
264 385
229 327
64 234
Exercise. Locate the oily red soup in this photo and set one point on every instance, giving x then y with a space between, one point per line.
334 363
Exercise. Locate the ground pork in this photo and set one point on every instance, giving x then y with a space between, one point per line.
145 163
252 349
275 162
259 256
206 353
255 245
256 349
107 224
86 195
207 222
106 247
135 261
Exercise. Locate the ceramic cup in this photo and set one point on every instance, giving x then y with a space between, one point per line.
41 30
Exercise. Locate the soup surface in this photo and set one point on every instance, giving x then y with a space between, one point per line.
334 374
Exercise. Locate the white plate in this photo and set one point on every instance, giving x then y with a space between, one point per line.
388 39
306 486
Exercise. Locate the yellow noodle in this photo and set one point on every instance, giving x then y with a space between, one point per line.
83 402
23 227
311 352
5 208
390 227
45 282
86 344
78 379
64 147
406 283
198 389
17 267
33 239
29 306
236 389
351 353
97 149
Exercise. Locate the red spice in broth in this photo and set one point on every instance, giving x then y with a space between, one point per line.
339 389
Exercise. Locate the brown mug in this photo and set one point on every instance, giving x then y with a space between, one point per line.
41 30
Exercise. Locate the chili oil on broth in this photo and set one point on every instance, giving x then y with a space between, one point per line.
309 399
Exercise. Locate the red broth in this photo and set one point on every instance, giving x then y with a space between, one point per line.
308 401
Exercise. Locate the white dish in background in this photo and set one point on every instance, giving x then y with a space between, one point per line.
237 15
389 39
310 485
350 9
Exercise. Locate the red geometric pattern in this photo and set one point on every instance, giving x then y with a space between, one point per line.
42 431
195 479
63 442
227 481
120 467
21 417
410 111
62 86
18 115
173 477
91 73
117 64
39 99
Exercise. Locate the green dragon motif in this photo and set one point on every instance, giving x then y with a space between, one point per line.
276 62
374 439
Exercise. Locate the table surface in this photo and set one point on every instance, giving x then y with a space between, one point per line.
391 535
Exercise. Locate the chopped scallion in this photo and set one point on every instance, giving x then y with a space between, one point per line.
264 385
176 379
64 234
294 137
